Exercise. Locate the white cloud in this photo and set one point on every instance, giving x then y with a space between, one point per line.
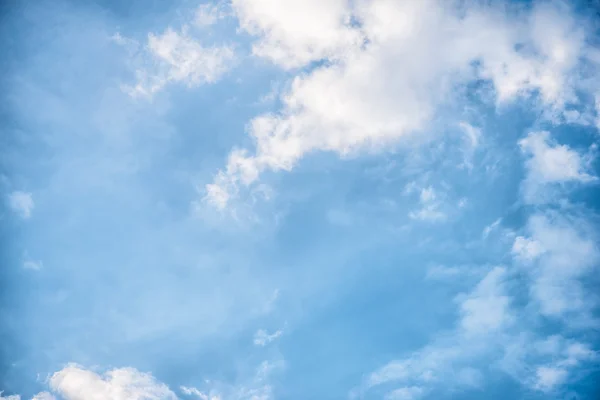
177 56
548 378
294 33
430 207
549 163
405 393
255 388
190 391
11 397
558 253
486 309
262 337
490 228
77 383
390 73
447 361
545 364
472 139
209 14
44 396
21 203
527 249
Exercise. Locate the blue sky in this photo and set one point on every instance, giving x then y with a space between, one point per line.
268 199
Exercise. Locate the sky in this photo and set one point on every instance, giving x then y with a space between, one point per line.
317 199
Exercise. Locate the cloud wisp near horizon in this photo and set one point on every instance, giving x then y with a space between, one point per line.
269 199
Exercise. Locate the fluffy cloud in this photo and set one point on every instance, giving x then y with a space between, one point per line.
21 203
177 56
558 253
550 163
77 383
294 33
390 68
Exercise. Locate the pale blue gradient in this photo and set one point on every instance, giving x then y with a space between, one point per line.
134 275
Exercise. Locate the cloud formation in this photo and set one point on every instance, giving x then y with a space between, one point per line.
485 313
385 68
21 203
550 163
558 253
178 56
77 383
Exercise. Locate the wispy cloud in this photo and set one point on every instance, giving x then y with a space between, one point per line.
490 228
21 203
254 388
558 253
178 55
34 265
262 337
430 206
485 312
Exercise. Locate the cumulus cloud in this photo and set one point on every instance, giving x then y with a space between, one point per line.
77 383
389 68
550 163
21 203
294 33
